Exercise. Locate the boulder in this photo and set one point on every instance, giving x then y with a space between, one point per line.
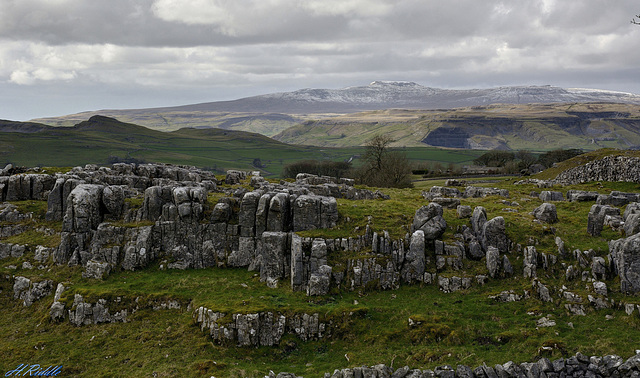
29 292
464 211
600 288
581 196
474 192
455 182
478 219
113 200
612 200
546 213
274 248
632 208
530 263
262 212
627 259
440 191
278 218
560 245
155 197
234 177
42 254
475 251
494 235
547 196
247 214
449 203
595 220
18 188
138 248
221 213
320 281
96 270
507 268
429 219
631 224
493 261
414 262
11 250
542 291
245 254
314 212
57 312
84 209
598 268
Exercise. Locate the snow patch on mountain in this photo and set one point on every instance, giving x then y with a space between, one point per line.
410 94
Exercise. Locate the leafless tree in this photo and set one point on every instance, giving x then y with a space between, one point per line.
636 20
375 150
384 167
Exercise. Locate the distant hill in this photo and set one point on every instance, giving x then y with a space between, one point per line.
270 114
104 140
588 126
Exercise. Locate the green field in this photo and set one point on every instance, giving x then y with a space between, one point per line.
105 140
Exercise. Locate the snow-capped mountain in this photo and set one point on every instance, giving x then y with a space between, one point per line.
401 94
270 114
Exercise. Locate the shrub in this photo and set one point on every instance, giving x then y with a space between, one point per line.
317 167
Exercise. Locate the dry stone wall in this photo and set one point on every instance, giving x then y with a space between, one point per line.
609 168
574 366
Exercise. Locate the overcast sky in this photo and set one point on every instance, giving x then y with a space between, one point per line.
65 56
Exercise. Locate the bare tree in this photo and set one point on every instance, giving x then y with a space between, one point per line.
384 167
375 150
636 20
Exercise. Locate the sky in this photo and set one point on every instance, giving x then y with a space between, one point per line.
60 57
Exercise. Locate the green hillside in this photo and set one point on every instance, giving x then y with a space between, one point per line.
532 127
170 120
102 140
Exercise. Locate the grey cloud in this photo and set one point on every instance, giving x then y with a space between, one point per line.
128 47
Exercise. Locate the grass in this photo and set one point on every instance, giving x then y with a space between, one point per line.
34 238
166 341
369 326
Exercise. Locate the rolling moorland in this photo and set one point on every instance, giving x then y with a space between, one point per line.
103 140
463 310
508 118
539 127
271 114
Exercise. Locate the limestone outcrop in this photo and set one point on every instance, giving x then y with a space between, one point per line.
546 213
259 329
28 292
627 262
596 218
